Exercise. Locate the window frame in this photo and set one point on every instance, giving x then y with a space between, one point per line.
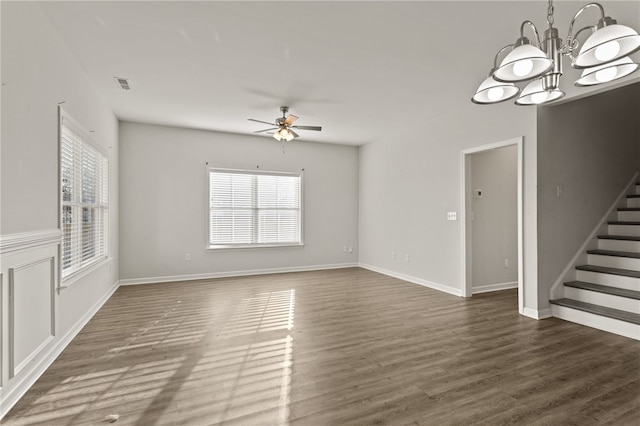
69 275
209 246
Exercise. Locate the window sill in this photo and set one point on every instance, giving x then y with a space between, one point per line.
251 246
78 275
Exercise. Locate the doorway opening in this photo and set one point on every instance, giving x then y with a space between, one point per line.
492 218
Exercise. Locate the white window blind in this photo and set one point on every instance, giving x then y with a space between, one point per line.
84 184
248 208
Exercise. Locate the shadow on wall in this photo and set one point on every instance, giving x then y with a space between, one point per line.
588 150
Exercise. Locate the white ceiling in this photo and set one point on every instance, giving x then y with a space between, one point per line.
358 69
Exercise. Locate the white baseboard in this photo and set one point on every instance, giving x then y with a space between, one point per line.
414 280
229 274
23 384
494 287
537 314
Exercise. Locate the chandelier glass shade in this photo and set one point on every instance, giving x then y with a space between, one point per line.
492 91
523 63
607 44
535 94
603 58
607 72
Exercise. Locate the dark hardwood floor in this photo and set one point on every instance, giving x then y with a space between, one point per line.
331 347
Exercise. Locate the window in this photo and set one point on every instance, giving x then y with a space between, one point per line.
84 187
254 209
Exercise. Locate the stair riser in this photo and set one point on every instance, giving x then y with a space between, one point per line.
638 189
629 216
611 325
603 299
614 262
617 281
619 245
633 230
633 202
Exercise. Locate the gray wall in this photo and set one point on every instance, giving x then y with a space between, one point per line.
590 148
164 200
408 184
38 72
495 219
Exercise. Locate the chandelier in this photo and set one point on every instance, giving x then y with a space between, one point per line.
603 57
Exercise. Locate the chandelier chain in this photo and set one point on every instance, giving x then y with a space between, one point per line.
550 13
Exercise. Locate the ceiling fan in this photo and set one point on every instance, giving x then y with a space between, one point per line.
284 126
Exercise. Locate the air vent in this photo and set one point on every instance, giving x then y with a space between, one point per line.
123 83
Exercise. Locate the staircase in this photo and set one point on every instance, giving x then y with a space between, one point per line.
606 292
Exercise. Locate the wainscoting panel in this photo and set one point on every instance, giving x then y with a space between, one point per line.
3 332
28 285
31 311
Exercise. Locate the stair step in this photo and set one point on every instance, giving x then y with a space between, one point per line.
614 259
615 253
624 228
629 214
619 237
602 278
603 295
598 310
619 245
633 200
621 292
611 271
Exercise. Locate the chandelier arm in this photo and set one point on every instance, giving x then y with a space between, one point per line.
495 60
535 32
570 35
572 44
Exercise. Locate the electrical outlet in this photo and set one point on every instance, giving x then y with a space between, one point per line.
187 257
393 254
344 249
452 216
350 249
506 263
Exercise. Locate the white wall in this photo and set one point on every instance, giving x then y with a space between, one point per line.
38 72
495 218
409 183
164 200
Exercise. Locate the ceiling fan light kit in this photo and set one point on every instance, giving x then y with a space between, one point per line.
284 126
603 58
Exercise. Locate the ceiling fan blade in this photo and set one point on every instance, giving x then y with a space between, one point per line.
263 122
266 130
316 128
290 119
295 135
